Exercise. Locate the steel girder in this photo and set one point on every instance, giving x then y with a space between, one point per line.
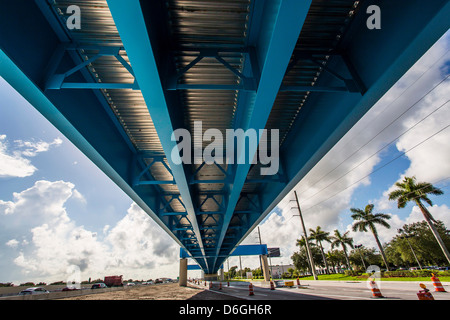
364 65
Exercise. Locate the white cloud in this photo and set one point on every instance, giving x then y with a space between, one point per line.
13 165
139 243
13 243
135 247
32 148
13 159
77 195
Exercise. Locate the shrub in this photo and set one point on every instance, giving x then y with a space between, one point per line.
400 273
414 274
353 273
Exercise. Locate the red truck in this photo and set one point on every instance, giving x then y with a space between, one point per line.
113 281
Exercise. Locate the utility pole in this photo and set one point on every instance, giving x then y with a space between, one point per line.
362 259
240 264
313 268
405 236
260 258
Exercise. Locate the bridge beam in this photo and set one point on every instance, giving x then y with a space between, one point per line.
131 24
274 50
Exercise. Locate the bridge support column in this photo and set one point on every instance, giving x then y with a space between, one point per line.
265 268
183 272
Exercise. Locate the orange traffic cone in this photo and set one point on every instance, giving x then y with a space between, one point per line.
250 290
376 293
272 286
424 294
437 284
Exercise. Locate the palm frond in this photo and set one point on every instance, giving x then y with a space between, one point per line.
368 209
394 195
360 226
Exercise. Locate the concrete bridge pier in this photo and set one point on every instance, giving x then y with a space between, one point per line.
183 272
265 267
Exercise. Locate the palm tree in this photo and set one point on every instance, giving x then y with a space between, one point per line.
319 235
343 240
410 190
302 242
367 219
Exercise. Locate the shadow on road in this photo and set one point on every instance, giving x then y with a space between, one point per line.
210 295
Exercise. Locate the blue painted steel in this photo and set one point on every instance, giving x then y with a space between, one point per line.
417 28
183 254
25 87
56 81
67 109
373 59
193 267
274 52
250 250
131 25
242 250
96 85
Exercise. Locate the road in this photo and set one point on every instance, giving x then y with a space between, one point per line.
333 290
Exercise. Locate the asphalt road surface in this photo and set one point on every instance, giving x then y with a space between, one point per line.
333 290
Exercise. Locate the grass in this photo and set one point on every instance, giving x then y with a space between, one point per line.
343 277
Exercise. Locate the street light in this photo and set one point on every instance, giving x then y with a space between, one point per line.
404 236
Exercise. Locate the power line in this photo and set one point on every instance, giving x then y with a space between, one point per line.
379 168
378 151
392 122
409 129
395 100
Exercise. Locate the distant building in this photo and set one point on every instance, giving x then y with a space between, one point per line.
278 270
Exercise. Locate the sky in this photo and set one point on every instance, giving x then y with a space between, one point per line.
58 210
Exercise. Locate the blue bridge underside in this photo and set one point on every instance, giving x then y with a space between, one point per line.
311 69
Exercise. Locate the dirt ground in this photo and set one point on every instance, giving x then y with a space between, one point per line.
170 291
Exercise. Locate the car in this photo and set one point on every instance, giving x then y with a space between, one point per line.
99 286
70 288
444 268
131 284
34 290
430 267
